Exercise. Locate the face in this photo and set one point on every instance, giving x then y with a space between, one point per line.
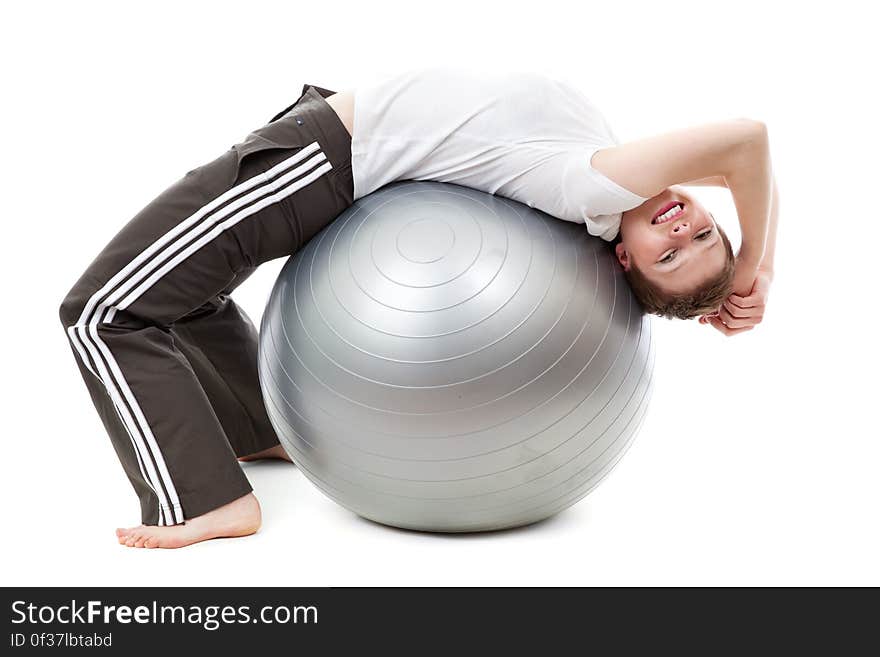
673 241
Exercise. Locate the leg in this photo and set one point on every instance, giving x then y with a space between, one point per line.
177 454
261 200
160 419
221 344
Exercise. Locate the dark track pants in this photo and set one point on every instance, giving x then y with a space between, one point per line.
169 359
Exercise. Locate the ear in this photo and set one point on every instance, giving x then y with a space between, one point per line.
622 256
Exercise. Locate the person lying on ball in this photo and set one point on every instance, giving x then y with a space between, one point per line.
170 360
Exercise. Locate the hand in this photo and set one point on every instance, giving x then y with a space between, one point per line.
739 314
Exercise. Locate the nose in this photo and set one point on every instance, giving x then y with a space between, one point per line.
681 228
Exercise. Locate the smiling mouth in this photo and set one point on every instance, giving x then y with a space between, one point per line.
668 212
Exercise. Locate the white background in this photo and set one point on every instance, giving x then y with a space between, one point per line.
758 461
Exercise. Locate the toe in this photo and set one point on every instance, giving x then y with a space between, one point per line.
151 542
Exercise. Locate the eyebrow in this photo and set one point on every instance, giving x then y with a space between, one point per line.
716 241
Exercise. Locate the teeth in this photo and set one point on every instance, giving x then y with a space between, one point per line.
671 212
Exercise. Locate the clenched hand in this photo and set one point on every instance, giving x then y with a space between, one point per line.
739 314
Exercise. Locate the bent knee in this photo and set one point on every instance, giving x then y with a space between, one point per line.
72 306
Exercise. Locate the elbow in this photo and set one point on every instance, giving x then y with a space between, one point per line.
751 131
748 140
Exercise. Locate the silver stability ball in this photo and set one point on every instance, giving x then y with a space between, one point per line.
446 360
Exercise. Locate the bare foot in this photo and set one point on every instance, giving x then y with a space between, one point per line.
240 517
276 452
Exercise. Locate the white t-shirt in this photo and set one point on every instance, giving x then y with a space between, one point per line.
518 135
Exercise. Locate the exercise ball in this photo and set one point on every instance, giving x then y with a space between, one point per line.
447 360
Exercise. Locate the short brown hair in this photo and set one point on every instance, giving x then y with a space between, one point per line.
706 298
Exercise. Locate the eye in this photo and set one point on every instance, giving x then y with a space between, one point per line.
671 255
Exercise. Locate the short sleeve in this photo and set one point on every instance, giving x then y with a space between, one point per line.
596 199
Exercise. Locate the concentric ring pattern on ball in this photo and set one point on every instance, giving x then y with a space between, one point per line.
447 360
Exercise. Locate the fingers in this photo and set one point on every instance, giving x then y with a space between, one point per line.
724 328
751 301
737 317
741 302
741 312
757 297
724 322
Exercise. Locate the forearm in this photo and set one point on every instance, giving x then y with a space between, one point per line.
770 247
750 181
